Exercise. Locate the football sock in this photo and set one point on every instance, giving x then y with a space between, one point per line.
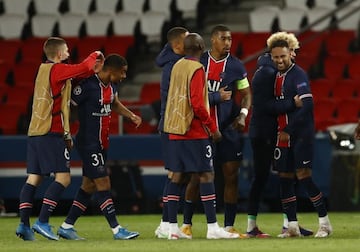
230 213
251 223
78 207
165 212
288 198
188 212
107 207
173 200
285 221
208 198
316 196
50 200
26 203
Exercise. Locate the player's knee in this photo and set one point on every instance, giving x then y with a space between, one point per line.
303 173
34 179
63 178
206 177
177 177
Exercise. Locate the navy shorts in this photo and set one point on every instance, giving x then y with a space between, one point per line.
93 162
299 155
190 156
230 147
164 137
47 154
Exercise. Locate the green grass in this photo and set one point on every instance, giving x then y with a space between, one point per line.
346 236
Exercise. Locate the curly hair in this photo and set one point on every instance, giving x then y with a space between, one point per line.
289 37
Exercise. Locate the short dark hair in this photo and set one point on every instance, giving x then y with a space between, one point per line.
52 45
193 43
114 61
219 28
175 32
278 43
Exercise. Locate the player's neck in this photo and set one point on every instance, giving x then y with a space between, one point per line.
217 55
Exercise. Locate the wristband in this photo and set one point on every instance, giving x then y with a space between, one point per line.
244 111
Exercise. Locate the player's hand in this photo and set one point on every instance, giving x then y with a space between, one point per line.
239 122
283 136
136 120
298 101
225 95
69 144
357 131
216 136
100 59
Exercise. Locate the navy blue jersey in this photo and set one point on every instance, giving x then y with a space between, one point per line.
221 73
300 122
166 60
94 100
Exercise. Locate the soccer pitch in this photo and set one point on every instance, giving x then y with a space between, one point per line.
346 236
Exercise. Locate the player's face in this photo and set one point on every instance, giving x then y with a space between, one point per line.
64 52
180 43
281 57
221 42
118 75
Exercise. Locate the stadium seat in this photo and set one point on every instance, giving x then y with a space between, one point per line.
321 88
338 42
25 72
315 14
79 7
161 6
298 4
106 7
132 6
352 21
188 8
261 19
151 24
347 110
69 25
46 7
324 113
237 38
8 123
124 23
88 45
118 44
253 43
345 89
43 25
334 68
354 67
16 7
331 4
290 19
97 24
32 50
150 92
11 26
19 98
10 55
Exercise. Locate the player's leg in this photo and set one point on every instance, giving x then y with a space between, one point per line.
55 159
25 207
304 155
78 207
285 166
263 155
191 196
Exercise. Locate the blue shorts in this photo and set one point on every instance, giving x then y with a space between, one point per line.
190 156
47 154
93 162
164 137
299 155
230 147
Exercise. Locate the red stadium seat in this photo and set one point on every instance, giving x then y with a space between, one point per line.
118 44
354 67
12 48
25 72
334 68
324 112
9 119
89 44
321 88
150 92
32 50
338 42
345 89
253 43
347 110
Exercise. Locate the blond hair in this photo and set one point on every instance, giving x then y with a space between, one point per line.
287 36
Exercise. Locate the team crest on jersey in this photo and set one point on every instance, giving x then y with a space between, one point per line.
77 90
